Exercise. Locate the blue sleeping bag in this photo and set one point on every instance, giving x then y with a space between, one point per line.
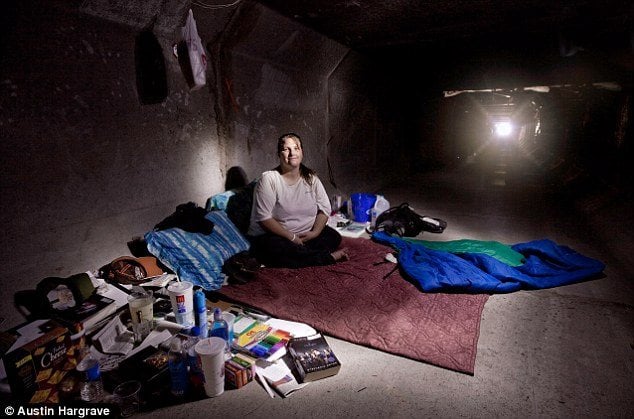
546 265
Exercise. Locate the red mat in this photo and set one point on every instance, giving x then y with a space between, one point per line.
351 301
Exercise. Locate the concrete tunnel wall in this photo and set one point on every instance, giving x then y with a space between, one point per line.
86 167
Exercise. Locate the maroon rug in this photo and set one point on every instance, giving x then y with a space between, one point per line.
351 301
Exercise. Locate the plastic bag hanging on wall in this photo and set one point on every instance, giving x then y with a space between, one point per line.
191 55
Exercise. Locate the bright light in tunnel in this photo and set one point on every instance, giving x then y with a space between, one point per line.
503 129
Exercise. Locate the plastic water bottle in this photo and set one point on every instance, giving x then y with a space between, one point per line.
196 375
200 310
91 387
380 205
219 327
177 361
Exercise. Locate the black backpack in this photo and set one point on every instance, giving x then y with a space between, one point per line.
189 217
403 221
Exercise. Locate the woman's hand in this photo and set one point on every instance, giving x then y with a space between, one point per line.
308 235
320 222
297 239
273 226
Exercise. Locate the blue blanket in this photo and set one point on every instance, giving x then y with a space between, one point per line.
546 265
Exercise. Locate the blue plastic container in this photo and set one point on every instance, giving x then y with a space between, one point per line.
362 203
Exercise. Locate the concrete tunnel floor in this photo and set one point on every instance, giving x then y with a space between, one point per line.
560 352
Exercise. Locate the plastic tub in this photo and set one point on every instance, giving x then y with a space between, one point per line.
362 203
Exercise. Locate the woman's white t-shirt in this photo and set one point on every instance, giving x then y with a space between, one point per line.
293 206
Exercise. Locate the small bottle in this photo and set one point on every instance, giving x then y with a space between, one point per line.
219 327
194 332
196 375
200 310
177 361
91 386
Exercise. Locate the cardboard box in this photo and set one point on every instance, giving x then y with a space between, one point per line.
38 359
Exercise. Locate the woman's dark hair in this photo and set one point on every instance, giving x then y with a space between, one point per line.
305 172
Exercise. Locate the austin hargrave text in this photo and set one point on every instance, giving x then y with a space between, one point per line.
68 411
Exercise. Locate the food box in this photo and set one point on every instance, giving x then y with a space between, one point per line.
38 356
148 365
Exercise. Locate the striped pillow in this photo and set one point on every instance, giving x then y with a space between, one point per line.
196 257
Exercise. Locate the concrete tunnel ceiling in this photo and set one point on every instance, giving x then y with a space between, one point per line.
537 40
371 24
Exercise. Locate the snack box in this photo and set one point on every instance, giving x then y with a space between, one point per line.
38 356
150 365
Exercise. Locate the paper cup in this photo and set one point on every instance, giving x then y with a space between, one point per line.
211 353
182 297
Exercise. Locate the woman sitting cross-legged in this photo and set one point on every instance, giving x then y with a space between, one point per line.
289 215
